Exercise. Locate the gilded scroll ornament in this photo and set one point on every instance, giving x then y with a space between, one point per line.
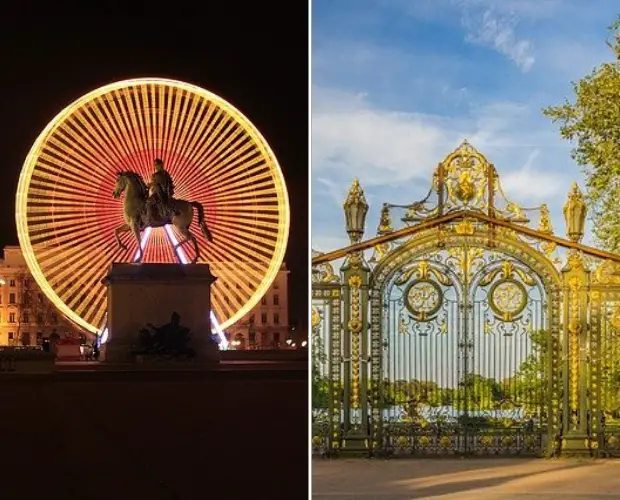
316 317
355 327
423 298
574 330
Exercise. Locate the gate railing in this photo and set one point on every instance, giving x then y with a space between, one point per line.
581 413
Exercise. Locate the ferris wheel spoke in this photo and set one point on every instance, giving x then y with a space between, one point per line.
190 133
67 218
94 138
109 112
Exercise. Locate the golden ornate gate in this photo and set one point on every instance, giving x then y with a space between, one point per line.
465 332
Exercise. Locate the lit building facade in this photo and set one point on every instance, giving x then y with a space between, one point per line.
26 315
266 326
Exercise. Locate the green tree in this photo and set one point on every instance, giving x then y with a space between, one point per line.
320 383
592 123
529 384
479 393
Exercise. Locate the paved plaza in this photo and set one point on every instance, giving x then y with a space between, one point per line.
158 434
479 479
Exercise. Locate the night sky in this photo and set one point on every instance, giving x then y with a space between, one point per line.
254 57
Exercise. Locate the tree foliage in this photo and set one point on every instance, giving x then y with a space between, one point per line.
592 124
320 383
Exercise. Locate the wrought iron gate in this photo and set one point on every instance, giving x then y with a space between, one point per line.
466 332
465 363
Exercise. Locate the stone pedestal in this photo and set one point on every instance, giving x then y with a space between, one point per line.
139 294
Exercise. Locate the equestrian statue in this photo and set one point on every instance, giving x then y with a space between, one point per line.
155 206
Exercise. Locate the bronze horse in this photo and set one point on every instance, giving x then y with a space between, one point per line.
137 220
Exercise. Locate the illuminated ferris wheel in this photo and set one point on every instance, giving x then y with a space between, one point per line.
66 215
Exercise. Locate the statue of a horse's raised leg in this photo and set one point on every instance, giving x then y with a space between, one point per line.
188 236
136 233
183 220
121 229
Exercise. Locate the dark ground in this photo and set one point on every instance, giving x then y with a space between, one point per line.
171 435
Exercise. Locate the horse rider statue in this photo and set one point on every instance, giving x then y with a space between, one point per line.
161 191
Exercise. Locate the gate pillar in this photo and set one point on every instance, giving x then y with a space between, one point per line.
355 353
576 429
355 272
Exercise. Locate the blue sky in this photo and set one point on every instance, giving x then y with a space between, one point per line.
398 84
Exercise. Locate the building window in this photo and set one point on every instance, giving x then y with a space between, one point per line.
276 300
264 301
276 339
11 282
54 319
11 298
11 317
39 318
276 286
252 319
26 317
26 338
263 318
11 335
26 283
41 298
276 319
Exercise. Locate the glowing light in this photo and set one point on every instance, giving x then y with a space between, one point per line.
220 332
183 258
173 239
104 336
66 216
145 238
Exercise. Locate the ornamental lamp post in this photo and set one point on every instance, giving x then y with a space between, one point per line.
575 214
355 210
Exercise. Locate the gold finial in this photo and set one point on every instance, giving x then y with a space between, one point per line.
356 194
385 221
575 213
544 225
355 210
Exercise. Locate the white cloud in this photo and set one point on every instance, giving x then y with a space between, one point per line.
325 243
377 145
533 9
498 32
393 154
529 182
351 139
337 192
